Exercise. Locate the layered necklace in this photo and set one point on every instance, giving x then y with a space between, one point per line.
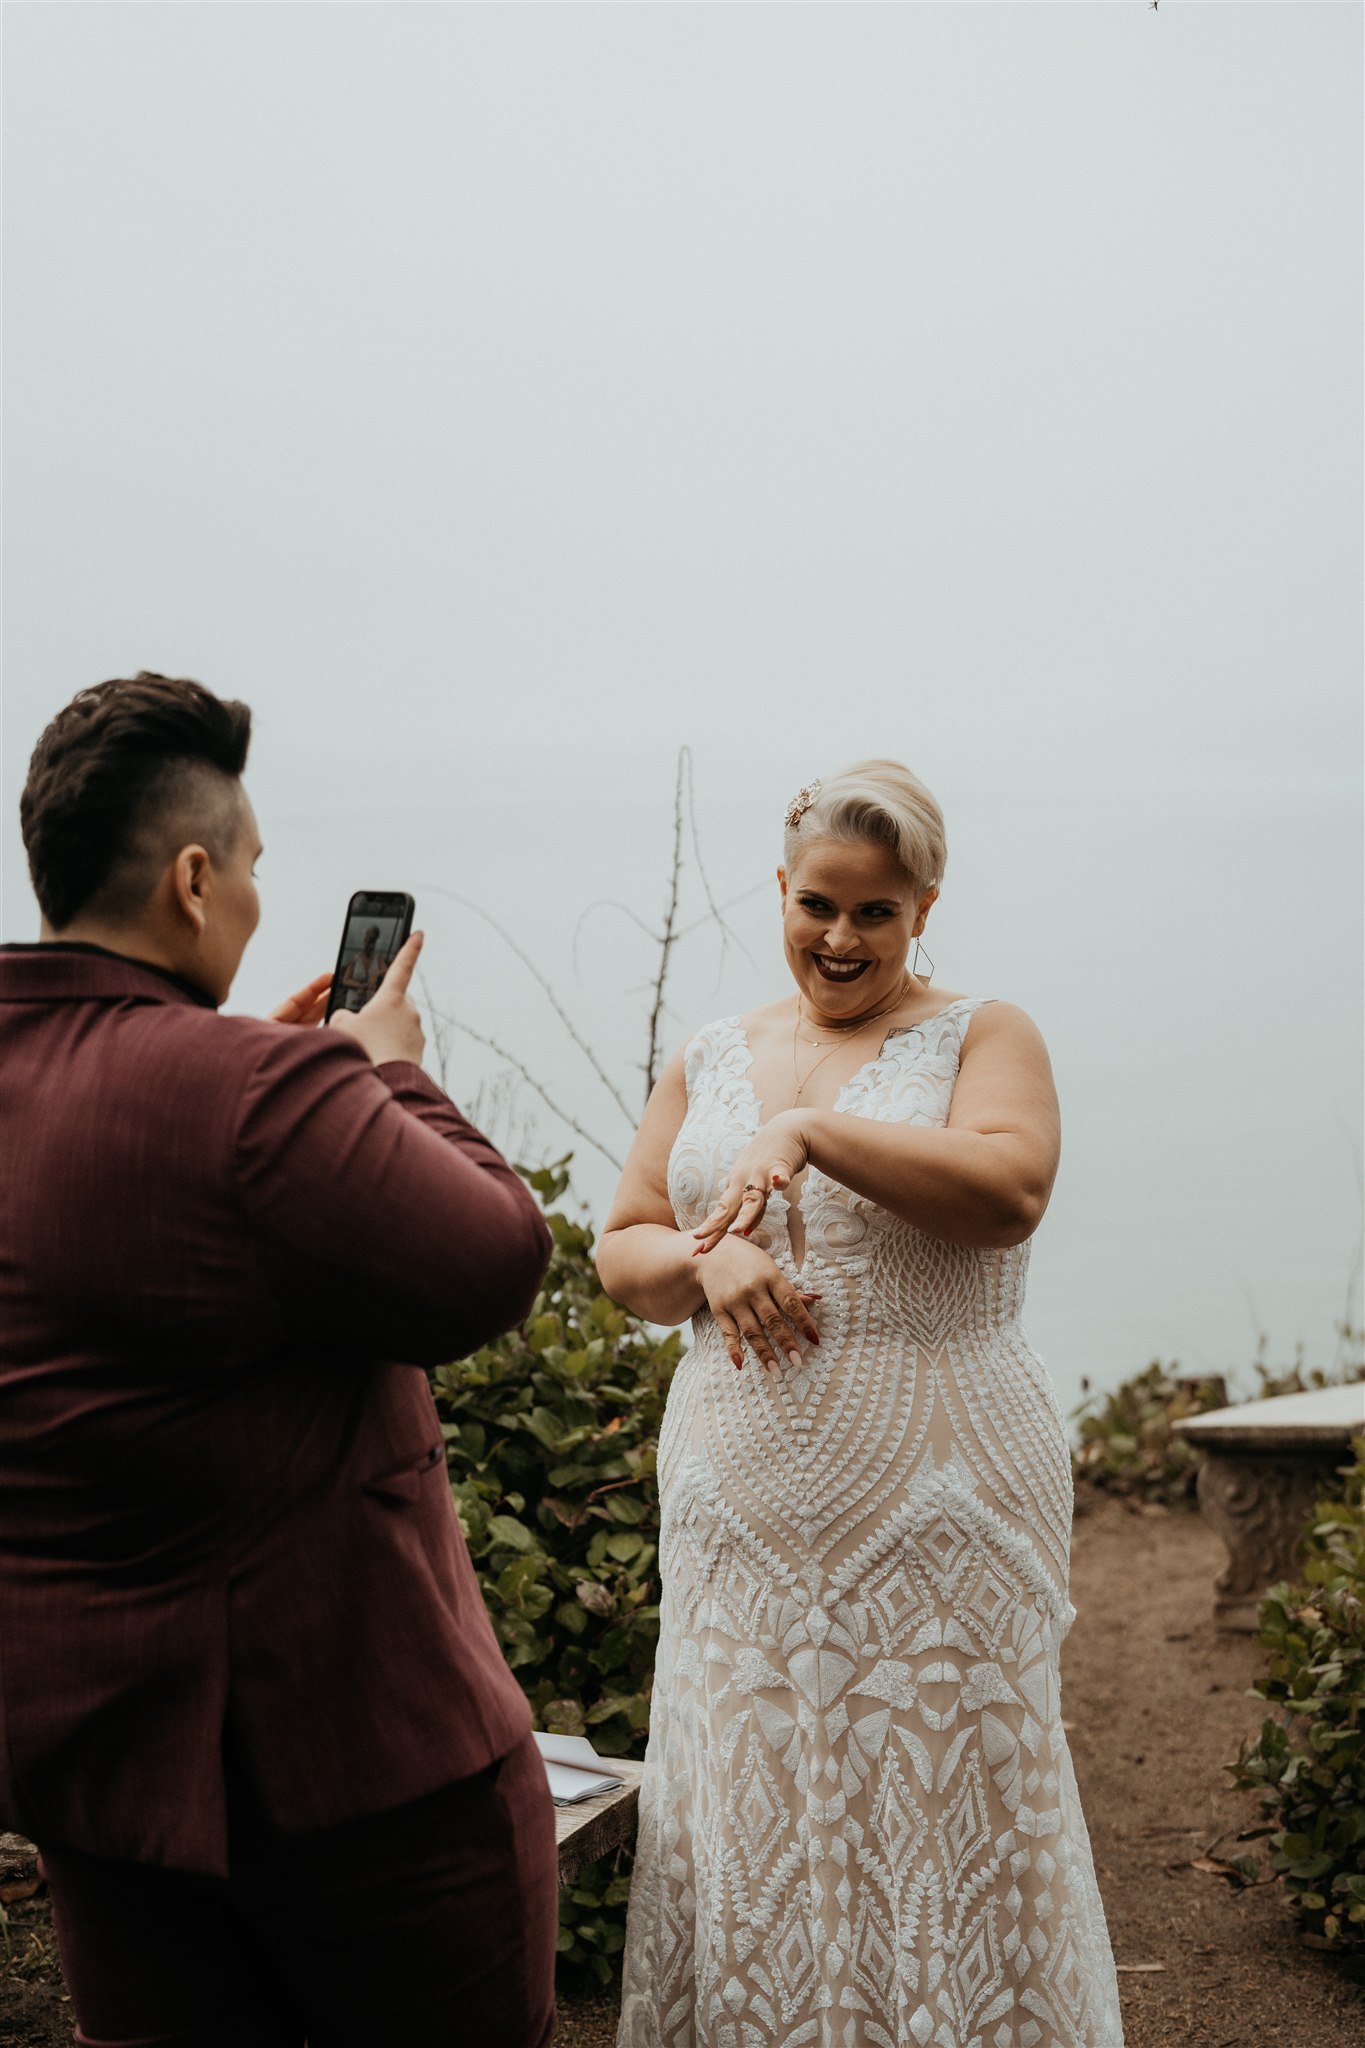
846 1031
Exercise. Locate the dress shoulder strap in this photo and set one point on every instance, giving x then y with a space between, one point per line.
967 1007
954 1017
932 1037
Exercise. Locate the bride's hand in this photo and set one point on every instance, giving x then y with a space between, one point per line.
772 1159
754 1303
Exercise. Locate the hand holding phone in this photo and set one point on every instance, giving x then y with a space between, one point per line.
389 1027
377 923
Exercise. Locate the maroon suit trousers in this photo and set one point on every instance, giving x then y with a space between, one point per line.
432 1926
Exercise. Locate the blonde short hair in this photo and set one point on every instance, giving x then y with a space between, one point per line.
877 800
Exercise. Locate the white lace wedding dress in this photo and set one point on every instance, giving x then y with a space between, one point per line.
859 1824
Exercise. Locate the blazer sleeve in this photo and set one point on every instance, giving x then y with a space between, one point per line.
386 1215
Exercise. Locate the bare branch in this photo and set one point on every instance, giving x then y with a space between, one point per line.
482 1038
610 903
686 931
715 915
440 1031
668 935
495 1108
565 1019
684 818
713 908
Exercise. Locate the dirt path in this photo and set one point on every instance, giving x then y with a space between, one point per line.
1155 1700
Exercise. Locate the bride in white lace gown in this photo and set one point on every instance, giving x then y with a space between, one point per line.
859 1824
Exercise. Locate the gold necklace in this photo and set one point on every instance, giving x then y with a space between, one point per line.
850 1030
854 1024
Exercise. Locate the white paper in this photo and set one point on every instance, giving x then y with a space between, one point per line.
574 1769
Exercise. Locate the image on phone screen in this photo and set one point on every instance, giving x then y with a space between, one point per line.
377 922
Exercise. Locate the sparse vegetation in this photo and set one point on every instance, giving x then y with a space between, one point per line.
1308 1762
1126 1442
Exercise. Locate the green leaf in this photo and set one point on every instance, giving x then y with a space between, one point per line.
607 1709
517 1577
571 1475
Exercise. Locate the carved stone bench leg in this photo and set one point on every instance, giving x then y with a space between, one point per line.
1260 1502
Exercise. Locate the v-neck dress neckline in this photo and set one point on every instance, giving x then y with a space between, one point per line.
779 1206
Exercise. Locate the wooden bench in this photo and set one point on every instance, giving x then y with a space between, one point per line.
1265 1464
592 1828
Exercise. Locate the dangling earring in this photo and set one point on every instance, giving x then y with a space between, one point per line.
915 967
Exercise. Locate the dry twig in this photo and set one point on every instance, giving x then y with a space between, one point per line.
565 1019
482 1038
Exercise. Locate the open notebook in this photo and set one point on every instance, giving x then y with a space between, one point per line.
574 1769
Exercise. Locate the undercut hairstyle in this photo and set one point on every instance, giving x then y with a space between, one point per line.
880 801
128 773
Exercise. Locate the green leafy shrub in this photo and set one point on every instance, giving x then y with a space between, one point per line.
550 1441
1309 1763
1127 1446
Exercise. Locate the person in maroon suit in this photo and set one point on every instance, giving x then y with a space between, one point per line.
251 1707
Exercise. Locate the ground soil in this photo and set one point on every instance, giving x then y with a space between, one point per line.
1155 1700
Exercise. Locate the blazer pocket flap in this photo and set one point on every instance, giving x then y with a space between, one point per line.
404 1482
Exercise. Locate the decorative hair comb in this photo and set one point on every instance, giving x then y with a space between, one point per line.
801 803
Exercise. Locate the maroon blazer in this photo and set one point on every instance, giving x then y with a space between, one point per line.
227 1249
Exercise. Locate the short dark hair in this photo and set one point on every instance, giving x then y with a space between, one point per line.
121 765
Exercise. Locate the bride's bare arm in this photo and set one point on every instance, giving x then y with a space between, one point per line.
984 1178
643 1258
653 1267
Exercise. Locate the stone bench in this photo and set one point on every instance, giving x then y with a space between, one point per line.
592 1828
1265 1464
18 1869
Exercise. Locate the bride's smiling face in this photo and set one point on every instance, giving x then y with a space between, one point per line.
849 917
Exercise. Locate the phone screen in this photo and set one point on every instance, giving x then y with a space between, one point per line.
377 922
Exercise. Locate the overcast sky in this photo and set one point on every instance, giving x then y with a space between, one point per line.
501 397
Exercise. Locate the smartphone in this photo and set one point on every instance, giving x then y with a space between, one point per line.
377 922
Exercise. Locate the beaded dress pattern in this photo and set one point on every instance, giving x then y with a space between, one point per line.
859 1823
